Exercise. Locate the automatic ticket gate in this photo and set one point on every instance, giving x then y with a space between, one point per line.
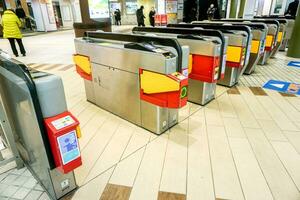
206 64
238 50
135 77
288 22
271 39
280 35
259 33
45 132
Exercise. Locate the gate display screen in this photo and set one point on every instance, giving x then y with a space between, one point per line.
68 147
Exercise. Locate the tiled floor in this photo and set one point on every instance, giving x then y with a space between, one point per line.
20 184
243 145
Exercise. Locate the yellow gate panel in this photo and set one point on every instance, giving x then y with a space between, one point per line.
152 82
83 62
269 40
234 54
255 46
279 37
190 63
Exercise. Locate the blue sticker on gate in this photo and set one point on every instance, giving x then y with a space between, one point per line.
294 64
68 147
282 86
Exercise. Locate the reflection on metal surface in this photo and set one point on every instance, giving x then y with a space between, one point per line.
21 102
116 81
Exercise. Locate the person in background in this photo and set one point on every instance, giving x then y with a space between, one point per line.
140 16
118 17
11 30
20 12
211 12
151 16
292 9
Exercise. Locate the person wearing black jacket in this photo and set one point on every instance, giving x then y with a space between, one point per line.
140 16
151 16
292 9
118 17
20 12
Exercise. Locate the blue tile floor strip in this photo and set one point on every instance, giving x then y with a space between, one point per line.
294 64
282 86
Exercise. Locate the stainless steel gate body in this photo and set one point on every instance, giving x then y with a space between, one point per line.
21 103
200 92
115 86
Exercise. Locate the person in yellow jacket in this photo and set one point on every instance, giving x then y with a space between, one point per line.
11 30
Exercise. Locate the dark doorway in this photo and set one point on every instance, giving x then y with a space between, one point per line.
57 14
190 10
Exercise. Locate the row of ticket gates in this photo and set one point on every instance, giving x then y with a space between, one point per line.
144 77
147 75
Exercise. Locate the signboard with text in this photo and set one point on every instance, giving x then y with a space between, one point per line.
98 9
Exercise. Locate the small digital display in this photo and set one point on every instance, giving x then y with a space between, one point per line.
68 147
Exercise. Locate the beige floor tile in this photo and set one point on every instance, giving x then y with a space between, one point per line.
245 115
94 189
297 124
199 174
95 148
126 170
194 108
90 129
79 107
233 127
212 114
252 179
220 90
291 112
175 161
278 116
138 140
73 101
279 181
294 139
225 106
271 130
253 104
226 180
199 115
113 151
294 102
87 114
290 159
147 182
184 112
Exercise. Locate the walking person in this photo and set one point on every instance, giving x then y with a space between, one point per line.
211 12
292 9
21 13
151 16
11 30
140 16
118 17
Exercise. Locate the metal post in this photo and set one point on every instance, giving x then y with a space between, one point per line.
242 9
233 8
294 47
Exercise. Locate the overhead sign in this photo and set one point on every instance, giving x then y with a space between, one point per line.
294 64
282 86
98 9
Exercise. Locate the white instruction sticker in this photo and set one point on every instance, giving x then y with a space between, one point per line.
63 122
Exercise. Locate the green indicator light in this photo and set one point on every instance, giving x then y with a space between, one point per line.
183 92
